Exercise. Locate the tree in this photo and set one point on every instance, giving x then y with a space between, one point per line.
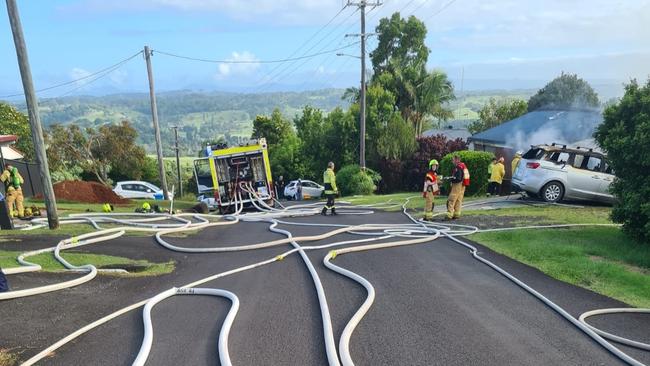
496 112
625 136
13 122
273 128
111 148
400 41
564 92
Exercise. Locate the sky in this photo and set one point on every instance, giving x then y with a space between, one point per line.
481 44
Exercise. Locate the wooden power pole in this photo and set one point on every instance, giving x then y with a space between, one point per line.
362 4
32 110
156 127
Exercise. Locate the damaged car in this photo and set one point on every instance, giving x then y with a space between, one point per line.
555 172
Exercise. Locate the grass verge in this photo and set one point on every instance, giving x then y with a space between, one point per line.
601 259
553 214
136 268
416 203
7 358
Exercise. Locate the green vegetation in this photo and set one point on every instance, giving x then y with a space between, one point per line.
351 180
497 112
601 259
625 136
16 123
551 214
476 162
50 264
565 91
7 358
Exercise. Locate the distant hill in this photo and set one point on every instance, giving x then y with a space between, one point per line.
200 115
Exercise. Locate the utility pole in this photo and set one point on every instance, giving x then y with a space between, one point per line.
156 127
362 90
34 118
178 162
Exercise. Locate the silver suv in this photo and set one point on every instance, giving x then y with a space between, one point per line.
555 172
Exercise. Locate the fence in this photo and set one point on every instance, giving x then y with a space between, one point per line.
29 171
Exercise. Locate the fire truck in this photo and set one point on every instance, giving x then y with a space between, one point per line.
224 172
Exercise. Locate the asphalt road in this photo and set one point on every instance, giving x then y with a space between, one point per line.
435 305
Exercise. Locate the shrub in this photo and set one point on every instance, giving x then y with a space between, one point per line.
432 147
352 180
477 163
625 136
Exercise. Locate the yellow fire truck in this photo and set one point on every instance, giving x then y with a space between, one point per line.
221 172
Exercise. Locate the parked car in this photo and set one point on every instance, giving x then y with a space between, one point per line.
555 172
139 189
309 188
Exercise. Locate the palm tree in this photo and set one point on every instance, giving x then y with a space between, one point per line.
433 91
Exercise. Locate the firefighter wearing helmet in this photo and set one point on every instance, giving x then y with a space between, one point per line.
13 182
459 180
430 189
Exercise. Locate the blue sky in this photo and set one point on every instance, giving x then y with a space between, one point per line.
497 44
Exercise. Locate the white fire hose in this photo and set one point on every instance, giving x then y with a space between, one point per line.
410 234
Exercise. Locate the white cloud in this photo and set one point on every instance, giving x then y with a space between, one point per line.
79 73
247 66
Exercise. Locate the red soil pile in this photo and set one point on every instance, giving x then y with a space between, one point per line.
87 192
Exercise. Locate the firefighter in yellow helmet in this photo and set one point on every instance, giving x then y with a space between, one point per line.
329 180
13 182
430 189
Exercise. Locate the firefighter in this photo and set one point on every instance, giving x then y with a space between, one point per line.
459 180
13 181
329 180
515 162
430 189
496 179
489 171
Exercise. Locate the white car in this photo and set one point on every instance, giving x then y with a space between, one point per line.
309 188
556 172
139 189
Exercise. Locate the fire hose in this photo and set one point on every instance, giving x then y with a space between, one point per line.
419 232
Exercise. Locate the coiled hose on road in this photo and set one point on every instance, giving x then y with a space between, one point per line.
415 233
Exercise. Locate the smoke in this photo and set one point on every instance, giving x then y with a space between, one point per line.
546 127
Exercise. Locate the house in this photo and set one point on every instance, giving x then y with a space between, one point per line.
6 150
449 132
571 127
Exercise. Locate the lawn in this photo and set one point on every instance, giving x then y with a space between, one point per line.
50 264
552 214
7 358
416 202
601 259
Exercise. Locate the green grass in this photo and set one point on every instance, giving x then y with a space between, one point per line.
7 358
66 208
601 259
552 214
416 202
50 264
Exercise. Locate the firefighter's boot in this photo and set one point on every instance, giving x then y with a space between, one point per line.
334 211
324 211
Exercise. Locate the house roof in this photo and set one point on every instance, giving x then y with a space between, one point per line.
8 152
8 139
450 133
543 127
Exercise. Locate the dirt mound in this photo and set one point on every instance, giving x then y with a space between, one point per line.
87 192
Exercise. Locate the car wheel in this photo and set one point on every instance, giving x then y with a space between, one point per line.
552 192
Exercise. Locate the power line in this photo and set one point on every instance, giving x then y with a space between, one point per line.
106 73
448 4
109 68
289 71
255 61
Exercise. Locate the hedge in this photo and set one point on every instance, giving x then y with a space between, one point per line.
476 162
351 180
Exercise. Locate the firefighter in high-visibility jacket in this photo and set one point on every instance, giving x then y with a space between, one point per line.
13 182
459 180
430 189
329 180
